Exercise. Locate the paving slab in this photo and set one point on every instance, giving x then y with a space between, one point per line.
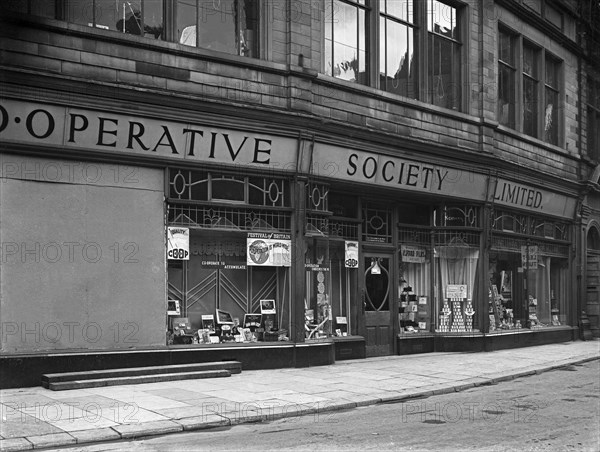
51 440
95 435
203 422
15 444
148 428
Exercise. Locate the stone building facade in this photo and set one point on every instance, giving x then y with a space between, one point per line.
372 177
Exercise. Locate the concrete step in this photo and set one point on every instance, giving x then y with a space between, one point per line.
234 367
99 382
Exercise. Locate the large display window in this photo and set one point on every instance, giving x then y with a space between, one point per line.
219 297
232 282
528 272
331 262
457 247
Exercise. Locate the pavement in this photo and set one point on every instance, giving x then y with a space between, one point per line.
37 418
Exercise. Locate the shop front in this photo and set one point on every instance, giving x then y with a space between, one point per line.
452 260
205 240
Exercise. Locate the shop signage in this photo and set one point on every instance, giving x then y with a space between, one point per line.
522 196
351 254
375 239
75 128
456 291
269 249
357 166
529 257
316 268
223 265
415 254
178 243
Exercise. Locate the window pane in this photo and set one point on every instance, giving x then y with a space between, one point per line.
401 9
44 8
551 69
442 19
506 95
248 32
153 19
505 49
444 60
396 73
229 26
551 117
218 26
228 189
186 22
109 15
553 16
593 134
18 6
328 55
529 106
535 5
530 61
362 54
346 60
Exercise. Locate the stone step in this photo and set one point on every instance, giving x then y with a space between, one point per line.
137 379
234 367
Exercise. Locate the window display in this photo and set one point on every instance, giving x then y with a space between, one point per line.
530 291
217 287
414 287
330 285
456 270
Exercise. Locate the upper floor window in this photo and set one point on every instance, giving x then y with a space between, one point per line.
397 58
345 40
413 36
506 79
534 96
551 92
593 119
42 8
530 89
229 26
545 9
139 17
444 55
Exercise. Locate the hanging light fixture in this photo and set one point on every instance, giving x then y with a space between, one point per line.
375 268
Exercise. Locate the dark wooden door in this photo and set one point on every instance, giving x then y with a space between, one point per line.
377 299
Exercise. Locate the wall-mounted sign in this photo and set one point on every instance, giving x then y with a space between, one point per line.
523 196
269 249
76 128
456 291
529 257
178 243
415 254
395 172
351 254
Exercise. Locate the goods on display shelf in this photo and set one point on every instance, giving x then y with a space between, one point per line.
458 322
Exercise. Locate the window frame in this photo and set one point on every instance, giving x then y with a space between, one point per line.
375 14
329 20
513 67
593 119
166 31
542 58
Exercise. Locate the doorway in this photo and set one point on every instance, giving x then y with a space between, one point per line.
378 304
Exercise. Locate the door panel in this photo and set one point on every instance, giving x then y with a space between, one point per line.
377 295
